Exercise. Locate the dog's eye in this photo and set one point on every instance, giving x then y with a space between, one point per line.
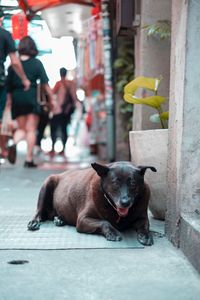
115 184
133 186
116 181
131 182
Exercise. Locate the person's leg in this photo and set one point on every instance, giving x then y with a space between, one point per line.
18 135
3 138
54 125
2 100
44 119
64 121
3 149
39 132
31 127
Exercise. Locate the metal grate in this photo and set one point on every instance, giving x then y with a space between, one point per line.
14 235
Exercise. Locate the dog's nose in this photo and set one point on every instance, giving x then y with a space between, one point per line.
124 202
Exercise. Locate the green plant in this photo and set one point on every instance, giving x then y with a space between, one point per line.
124 66
155 101
161 29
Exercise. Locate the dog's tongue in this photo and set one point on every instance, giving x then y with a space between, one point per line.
122 212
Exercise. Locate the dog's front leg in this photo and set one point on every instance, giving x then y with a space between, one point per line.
45 204
34 224
91 225
144 236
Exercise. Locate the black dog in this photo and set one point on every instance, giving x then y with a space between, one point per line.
104 199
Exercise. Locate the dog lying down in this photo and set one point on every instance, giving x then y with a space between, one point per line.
104 199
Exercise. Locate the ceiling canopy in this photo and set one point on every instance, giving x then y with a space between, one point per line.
30 7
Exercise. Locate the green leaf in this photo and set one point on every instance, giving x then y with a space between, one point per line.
120 84
162 29
153 101
142 82
119 63
164 115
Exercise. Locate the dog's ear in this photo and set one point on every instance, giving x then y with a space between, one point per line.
100 169
144 168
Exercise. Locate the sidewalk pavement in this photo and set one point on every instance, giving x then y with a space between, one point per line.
157 272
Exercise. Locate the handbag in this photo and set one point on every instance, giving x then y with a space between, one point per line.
42 99
6 128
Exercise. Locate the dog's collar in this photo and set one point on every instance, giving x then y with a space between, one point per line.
113 206
111 203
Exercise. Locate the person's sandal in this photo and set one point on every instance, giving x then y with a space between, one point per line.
12 154
29 164
4 155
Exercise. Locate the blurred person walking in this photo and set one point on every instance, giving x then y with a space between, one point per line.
24 104
7 48
44 117
65 104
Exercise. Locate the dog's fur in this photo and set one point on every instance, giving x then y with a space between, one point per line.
104 199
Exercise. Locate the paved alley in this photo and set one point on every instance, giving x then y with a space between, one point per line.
157 272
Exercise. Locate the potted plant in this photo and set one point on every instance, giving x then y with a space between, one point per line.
150 146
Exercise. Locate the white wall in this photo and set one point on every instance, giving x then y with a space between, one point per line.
152 57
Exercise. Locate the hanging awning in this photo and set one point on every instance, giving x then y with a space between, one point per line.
30 7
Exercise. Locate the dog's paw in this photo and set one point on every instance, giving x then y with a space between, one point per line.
113 235
110 236
33 225
58 221
145 238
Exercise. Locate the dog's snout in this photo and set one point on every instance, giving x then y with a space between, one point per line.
124 202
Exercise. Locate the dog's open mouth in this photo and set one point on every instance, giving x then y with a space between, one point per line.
122 212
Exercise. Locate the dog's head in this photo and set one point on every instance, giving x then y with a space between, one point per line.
122 183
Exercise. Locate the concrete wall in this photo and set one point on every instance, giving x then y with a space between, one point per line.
191 114
177 83
152 57
183 207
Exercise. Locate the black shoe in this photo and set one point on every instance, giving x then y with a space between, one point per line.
12 154
29 164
